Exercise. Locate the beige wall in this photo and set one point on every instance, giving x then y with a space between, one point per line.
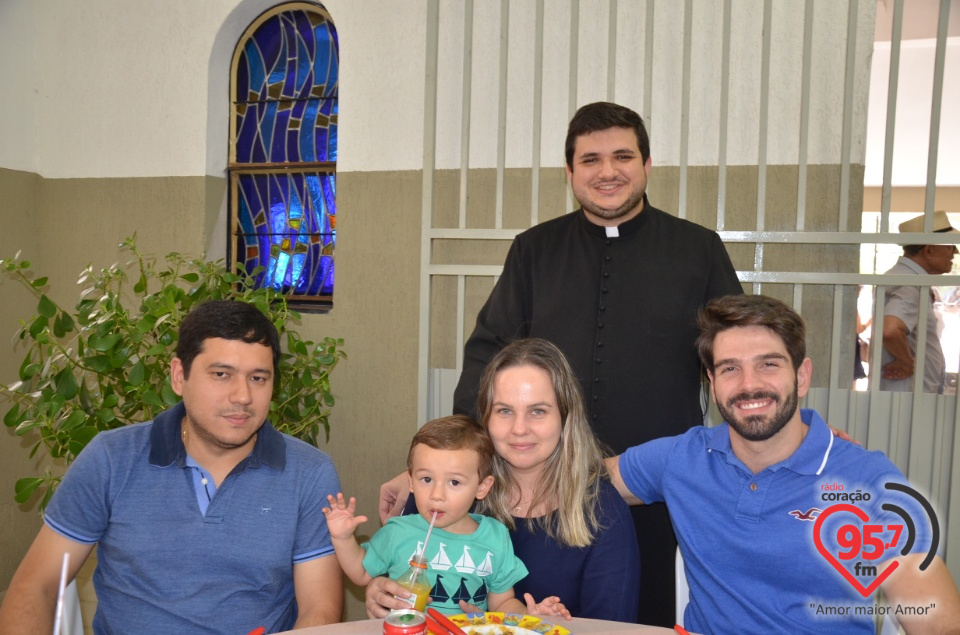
18 206
375 311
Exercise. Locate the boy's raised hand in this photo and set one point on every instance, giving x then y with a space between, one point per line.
341 518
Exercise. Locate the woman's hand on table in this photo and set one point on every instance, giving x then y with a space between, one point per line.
393 496
380 598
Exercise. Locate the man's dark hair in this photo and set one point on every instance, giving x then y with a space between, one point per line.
733 311
229 320
603 115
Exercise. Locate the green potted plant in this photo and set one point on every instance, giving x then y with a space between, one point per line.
105 363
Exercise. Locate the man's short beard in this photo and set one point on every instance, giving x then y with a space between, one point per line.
613 214
757 427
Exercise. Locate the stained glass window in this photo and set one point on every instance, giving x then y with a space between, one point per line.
283 152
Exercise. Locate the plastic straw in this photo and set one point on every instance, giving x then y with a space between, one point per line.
423 551
63 585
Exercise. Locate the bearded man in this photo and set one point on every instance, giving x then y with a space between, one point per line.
764 548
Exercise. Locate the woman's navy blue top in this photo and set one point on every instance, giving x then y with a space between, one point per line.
601 581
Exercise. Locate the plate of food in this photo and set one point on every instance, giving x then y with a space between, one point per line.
494 623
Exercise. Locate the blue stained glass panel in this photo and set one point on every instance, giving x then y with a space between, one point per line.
287 225
287 132
291 58
285 96
326 63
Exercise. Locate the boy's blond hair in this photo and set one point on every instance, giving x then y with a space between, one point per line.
456 432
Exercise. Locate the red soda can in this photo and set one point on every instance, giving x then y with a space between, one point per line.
405 622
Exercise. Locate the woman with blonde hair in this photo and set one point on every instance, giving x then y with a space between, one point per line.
567 522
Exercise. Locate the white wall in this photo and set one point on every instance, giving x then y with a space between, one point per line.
119 76
17 146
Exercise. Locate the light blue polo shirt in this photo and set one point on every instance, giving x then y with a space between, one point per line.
748 539
163 565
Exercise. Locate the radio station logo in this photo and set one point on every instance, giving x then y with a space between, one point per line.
856 548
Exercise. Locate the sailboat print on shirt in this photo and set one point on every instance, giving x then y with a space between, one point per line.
480 597
418 552
465 564
486 567
462 593
440 561
438 592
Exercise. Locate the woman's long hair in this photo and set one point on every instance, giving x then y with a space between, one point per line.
571 476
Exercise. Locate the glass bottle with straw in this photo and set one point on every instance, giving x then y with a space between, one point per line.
415 579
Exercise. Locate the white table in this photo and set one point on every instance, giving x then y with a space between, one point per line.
578 626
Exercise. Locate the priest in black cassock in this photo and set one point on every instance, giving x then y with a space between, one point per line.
616 285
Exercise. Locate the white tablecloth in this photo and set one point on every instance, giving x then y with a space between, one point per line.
579 626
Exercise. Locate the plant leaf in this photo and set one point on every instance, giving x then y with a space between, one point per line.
39 323
98 363
64 324
135 376
103 343
76 418
170 398
28 369
150 398
83 435
25 487
66 384
25 426
12 418
146 323
46 307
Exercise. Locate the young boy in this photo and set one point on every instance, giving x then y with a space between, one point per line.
470 561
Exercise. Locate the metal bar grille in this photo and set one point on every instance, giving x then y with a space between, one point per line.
916 430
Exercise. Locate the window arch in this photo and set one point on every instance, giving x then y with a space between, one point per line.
283 152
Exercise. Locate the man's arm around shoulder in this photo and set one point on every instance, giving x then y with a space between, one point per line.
318 585
911 587
29 605
613 467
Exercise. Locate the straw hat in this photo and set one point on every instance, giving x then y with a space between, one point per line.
941 224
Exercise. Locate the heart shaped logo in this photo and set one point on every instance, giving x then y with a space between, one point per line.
862 515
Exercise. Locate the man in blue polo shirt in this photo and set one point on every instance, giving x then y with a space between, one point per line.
206 519
768 546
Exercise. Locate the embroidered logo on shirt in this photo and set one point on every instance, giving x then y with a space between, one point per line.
811 514
264 510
